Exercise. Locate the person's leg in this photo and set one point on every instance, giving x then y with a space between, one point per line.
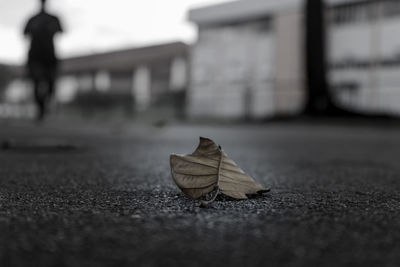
37 74
49 87
39 98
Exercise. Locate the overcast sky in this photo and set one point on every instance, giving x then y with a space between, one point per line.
99 25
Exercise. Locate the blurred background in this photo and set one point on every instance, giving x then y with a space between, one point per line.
231 60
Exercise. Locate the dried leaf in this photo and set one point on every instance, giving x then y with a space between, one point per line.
209 169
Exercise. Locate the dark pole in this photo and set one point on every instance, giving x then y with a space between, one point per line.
319 101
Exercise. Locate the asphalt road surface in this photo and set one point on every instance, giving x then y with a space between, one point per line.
79 195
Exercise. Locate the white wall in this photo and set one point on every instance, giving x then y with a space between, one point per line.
18 90
67 88
289 63
231 71
102 81
178 74
141 87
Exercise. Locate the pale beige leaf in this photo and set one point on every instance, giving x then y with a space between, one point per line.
209 168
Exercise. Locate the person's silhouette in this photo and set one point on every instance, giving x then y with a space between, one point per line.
42 60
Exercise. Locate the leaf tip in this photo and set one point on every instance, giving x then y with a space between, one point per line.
204 139
172 157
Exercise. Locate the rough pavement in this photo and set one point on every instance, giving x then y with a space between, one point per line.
85 196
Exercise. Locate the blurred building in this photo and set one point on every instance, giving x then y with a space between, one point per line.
364 54
248 61
144 76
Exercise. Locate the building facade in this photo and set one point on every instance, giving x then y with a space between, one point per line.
364 54
145 75
249 61
246 62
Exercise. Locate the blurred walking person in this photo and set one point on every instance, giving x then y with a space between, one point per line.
42 60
